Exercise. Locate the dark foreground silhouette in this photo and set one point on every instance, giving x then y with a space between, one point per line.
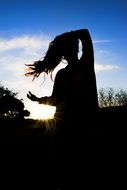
109 121
56 159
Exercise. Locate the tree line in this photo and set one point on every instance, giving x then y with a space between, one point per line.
109 97
12 107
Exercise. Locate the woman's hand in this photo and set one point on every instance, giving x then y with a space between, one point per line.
42 100
32 97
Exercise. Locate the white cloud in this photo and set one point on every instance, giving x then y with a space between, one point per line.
101 41
16 52
108 67
25 42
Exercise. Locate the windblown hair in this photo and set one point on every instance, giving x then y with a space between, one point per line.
55 53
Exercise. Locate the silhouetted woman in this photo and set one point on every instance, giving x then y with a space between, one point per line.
74 92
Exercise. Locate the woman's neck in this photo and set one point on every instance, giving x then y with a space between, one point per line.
72 66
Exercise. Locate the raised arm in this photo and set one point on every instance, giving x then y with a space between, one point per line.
87 59
87 47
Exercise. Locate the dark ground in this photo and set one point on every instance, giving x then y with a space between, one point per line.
107 122
78 160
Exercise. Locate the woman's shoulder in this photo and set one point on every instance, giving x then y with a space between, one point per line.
60 74
62 71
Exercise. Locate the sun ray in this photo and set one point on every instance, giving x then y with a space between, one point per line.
42 112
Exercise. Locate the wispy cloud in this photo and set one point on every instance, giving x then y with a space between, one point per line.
16 52
103 67
101 41
102 52
25 42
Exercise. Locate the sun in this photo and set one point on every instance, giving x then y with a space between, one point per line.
42 112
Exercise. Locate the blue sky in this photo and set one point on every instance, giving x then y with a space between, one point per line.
27 27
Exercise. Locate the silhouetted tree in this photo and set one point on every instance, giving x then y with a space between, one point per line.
10 106
109 97
6 92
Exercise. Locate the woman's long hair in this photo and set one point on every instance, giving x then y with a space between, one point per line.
61 45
